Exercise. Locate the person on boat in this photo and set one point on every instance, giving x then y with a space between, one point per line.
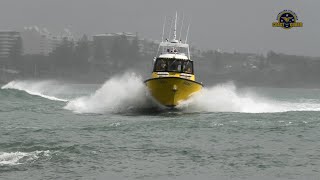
175 66
187 68
161 66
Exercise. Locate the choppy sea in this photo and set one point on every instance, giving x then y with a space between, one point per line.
57 130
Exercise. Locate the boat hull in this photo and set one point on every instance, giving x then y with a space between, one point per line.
170 91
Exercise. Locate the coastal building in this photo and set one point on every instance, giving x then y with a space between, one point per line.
103 44
10 49
8 41
148 46
41 41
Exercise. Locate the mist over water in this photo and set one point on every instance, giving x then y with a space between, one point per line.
127 93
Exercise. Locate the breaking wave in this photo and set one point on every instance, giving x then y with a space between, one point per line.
45 89
16 158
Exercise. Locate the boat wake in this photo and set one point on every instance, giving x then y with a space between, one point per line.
118 94
127 94
227 98
37 88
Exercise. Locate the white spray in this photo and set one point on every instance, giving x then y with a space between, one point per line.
128 93
226 98
118 94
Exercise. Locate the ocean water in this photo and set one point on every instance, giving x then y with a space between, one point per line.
56 130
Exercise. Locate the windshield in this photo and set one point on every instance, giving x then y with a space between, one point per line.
173 65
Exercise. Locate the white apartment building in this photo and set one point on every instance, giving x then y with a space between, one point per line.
8 40
41 41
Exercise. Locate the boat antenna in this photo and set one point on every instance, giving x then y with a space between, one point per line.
175 27
187 33
170 29
181 27
163 28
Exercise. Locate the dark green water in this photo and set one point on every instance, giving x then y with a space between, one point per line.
227 134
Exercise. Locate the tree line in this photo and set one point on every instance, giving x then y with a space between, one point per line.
272 69
93 61
82 58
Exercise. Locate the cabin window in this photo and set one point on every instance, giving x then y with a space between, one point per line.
187 67
173 65
161 65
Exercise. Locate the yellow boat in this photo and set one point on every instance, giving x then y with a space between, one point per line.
173 79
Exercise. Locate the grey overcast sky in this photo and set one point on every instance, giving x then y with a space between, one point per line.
230 25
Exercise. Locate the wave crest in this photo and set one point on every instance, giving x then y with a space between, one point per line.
36 88
15 158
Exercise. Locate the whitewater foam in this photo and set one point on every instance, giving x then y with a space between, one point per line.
16 158
36 88
118 94
226 98
127 93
